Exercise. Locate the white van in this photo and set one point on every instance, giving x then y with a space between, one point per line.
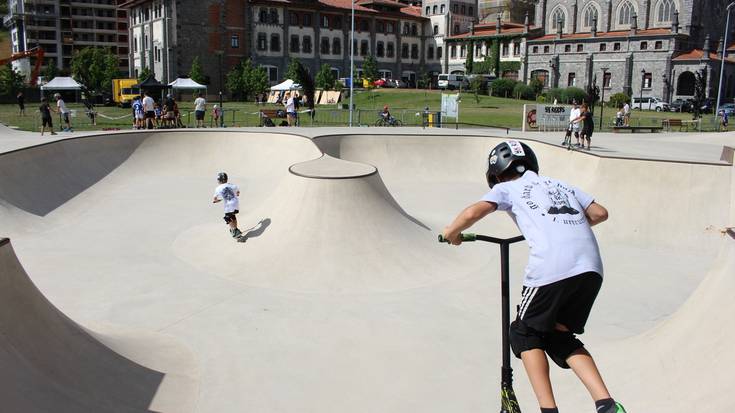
649 103
451 82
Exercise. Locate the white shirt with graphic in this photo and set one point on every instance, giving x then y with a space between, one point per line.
228 194
199 104
550 214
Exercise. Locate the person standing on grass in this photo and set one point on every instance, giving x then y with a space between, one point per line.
21 104
64 111
290 104
46 119
626 114
564 271
149 109
200 108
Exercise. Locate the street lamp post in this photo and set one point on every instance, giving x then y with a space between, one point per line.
722 61
220 54
352 57
643 78
602 99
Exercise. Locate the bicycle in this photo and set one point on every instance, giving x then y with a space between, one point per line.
388 122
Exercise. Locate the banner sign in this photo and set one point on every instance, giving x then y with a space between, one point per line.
450 106
554 117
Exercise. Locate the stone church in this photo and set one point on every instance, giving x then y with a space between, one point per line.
640 47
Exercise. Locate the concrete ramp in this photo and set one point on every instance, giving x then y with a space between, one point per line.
340 299
48 363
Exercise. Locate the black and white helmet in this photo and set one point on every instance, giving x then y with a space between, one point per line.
509 154
221 177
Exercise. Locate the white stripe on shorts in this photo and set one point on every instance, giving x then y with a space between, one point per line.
526 301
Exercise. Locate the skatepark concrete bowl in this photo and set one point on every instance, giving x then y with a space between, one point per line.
121 290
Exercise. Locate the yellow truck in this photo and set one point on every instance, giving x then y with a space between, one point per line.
123 91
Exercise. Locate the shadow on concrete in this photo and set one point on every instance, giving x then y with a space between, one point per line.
257 230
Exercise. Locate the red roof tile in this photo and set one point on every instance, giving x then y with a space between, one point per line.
698 54
412 10
619 33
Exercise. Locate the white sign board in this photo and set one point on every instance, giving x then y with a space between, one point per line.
450 107
552 117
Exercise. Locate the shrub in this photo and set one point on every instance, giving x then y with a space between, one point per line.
503 87
541 99
571 94
617 100
555 94
537 85
523 91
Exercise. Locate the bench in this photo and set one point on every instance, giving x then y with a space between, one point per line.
272 116
681 123
634 129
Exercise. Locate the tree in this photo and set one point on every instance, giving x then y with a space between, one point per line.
424 81
50 71
95 67
593 93
144 74
196 73
254 80
700 94
324 79
234 81
303 77
292 69
11 81
370 69
470 61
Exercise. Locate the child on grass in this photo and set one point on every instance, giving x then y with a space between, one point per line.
564 271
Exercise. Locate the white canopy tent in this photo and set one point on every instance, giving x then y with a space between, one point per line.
185 83
286 85
62 83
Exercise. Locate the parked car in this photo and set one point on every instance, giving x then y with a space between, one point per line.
649 103
708 106
379 83
451 82
729 108
681 105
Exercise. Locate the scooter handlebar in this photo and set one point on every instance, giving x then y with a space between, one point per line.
469 237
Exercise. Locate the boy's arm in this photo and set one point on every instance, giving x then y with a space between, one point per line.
466 219
595 213
216 199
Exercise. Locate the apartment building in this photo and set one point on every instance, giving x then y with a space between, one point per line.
61 27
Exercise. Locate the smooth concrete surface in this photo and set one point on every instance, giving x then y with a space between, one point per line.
340 299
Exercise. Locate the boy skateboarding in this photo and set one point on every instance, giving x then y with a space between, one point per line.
564 271
228 193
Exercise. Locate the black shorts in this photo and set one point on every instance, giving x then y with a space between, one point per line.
47 122
65 116
230 216
150 114
199 114
568 302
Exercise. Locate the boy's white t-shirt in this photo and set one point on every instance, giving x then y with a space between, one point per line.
62 106
574 114
550 214
199 104
228 194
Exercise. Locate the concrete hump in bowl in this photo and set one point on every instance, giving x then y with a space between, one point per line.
327 167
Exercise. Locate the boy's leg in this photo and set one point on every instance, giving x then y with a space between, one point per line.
584 367
537 369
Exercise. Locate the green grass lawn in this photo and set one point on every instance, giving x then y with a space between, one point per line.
404 104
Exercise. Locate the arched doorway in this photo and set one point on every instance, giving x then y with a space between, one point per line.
542 75
685 84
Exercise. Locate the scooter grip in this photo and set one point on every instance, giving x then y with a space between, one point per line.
469 237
